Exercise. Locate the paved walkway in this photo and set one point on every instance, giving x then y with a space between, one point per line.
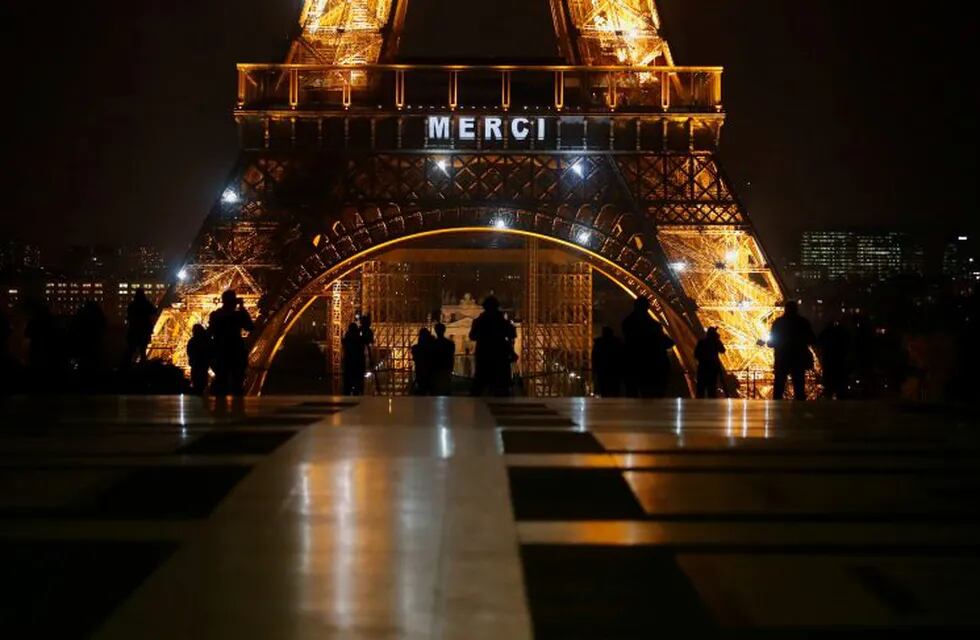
459 518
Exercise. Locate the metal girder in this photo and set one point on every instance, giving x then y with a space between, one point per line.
664 224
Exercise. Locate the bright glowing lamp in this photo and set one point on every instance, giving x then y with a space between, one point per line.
230 196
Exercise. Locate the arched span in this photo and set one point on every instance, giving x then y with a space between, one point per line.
274 330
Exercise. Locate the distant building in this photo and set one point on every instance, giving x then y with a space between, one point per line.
64 295
18 255
106 275
859 255
144 261
960 258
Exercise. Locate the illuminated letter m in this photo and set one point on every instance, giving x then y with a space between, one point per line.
439 127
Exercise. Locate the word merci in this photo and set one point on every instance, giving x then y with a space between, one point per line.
440 128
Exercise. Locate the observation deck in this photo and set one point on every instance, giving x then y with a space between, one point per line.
644 108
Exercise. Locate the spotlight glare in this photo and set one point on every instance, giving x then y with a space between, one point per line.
500 223
679 267
443 165
577 169
731 256
230 196
182 275
583 236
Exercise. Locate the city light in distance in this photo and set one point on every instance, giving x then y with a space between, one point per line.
230 196
963 238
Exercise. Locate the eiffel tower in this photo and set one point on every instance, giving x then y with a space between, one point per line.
346 152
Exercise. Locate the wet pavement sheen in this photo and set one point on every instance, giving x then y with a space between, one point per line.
285 517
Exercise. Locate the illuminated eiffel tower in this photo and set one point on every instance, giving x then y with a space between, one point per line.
346 152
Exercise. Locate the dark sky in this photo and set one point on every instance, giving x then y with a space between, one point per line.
117 119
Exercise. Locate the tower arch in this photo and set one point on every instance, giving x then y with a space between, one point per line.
276 326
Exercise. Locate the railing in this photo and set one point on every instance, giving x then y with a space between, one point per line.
558 88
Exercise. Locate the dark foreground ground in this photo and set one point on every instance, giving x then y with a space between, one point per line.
458 518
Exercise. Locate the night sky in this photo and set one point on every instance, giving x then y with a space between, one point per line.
117 122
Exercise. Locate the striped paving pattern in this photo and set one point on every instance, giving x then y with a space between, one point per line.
734 517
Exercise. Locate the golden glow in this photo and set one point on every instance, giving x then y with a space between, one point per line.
344 32
261 359
725 272
618 32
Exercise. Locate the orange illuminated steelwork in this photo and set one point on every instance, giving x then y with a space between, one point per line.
337 164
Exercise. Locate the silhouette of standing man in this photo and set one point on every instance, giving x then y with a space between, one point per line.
708 354
443 359
494 336
353 361
230 353
791 337
647 362
140 315
607 364
422 352
199 357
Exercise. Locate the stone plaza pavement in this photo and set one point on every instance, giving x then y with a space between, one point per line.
288 517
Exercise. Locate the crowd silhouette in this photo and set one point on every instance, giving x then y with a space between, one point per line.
791 338
494 336
44 353
140 318
647 361
230 355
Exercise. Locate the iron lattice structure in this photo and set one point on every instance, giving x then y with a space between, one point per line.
611 32
344 32
338 164
556 332
345 304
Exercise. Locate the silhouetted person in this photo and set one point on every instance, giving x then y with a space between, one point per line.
226 325
791 338
199 357
86 337
44 348
422 361
647 361
443 360
353 361
833 344
607 364
367 338
494 336
140 316
708 354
